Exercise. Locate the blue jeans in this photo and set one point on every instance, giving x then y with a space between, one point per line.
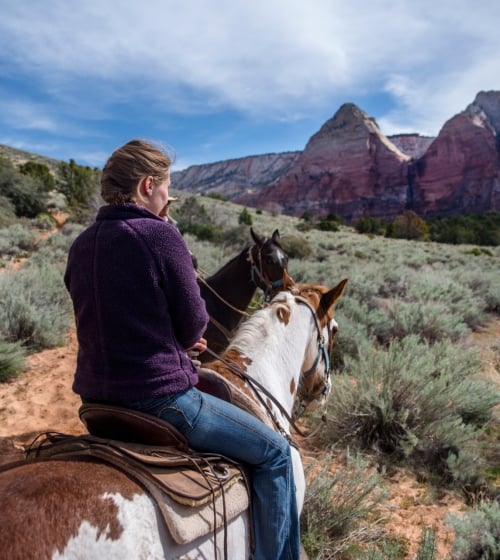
213 425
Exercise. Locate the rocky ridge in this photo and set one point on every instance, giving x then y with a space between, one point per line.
350 168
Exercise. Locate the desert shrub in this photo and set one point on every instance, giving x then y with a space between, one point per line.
431 320
54 249
11 359
413 401
351 340
18 240
340 508
297 247
192 217
427 549
480 229
44 222
7 212
477 533
80 184
236 238
367 224
34 307
216 196
40 172
409 226
245 217
453 295
26 194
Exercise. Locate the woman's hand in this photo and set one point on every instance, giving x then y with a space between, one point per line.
198 348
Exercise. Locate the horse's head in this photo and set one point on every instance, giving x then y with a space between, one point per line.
314 386
269 264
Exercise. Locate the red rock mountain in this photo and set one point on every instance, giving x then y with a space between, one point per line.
350 168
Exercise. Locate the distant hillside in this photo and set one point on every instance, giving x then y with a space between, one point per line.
18 157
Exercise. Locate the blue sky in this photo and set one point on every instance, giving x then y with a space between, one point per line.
222 79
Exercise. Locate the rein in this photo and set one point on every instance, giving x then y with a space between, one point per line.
258 388
258 278
323 354
225 302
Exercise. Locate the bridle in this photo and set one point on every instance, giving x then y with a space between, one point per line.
258 276
304 397
260 391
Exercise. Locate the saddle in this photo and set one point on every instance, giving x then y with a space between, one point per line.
209 489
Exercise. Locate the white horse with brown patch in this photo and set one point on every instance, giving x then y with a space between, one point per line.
87 510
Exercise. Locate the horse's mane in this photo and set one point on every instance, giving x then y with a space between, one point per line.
257 326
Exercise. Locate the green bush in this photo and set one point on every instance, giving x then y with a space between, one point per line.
409 226
340 508
297 247
7 212
34 307
11 359
80 184
245 218
476 229
26 194
415 402
477 533
367 224
193 218
39 172
18 240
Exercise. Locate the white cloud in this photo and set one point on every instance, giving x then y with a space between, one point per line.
280 57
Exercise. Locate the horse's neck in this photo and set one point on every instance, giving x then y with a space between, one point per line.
276 351
233 281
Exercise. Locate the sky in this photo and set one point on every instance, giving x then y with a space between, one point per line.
212 80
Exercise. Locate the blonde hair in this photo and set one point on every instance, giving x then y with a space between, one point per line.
128 165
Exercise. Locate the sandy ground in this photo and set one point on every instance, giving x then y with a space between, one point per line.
41 399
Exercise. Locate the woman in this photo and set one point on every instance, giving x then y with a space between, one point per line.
139 313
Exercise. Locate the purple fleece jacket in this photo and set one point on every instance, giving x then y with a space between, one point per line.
137 306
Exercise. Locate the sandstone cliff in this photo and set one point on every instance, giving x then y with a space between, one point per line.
350 168
460 171
232 177
413 145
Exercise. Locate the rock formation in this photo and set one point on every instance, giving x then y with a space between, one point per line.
460 171
350 168
230 178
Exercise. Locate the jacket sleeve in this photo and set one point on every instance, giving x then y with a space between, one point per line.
187 308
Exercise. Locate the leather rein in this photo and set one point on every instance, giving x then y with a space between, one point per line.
260 390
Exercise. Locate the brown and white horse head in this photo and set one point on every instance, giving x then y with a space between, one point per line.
269 264
315 385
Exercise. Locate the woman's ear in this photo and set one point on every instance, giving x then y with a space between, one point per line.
146 186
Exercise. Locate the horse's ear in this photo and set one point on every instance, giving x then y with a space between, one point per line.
331 297
259 239
276 236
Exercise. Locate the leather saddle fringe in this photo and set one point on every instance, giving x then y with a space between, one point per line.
187 477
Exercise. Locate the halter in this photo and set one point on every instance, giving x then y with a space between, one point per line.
258 277
304 398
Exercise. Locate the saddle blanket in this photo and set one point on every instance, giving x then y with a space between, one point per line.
195 493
